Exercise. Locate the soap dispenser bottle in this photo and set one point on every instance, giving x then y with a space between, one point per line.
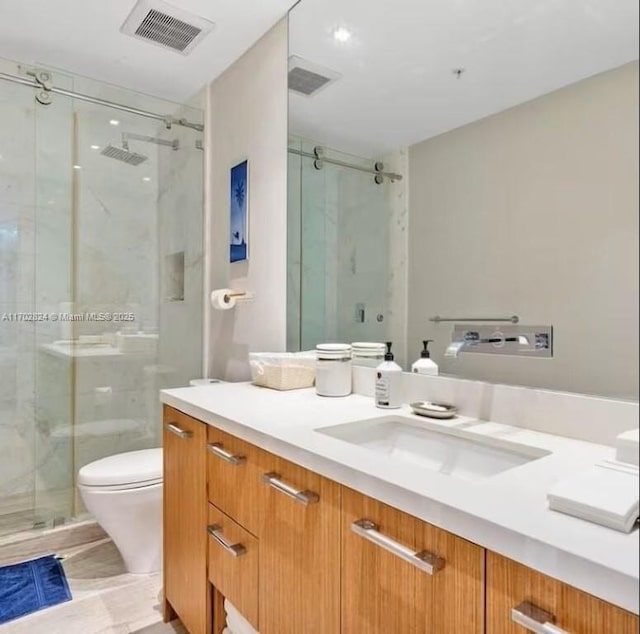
425 364
389 382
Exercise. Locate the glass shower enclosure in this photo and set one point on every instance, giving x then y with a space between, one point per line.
101 280
339 228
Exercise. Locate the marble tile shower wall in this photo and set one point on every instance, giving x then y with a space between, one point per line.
116 270
362 249
53 262
293 249
398 260
17 212
181 253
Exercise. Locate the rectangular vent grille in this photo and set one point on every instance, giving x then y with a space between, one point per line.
305 81
167 30
307 78
162 24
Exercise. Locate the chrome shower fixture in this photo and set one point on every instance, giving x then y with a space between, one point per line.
123 154
127 136
126 155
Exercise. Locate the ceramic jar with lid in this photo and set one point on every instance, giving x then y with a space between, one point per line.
333 369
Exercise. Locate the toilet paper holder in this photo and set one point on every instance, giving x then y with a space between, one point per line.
226 298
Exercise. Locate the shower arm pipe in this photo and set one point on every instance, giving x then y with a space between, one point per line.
514 319
168 120
368 170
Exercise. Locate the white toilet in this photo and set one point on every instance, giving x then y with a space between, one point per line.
124 494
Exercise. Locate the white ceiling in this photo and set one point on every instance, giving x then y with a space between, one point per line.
83 36
398 87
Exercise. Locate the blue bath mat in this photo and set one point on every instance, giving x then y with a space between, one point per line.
30 586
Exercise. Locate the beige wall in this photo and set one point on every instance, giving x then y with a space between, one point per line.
534 211
247 119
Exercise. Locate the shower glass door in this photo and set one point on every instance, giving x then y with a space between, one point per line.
101 242
53 377
18 306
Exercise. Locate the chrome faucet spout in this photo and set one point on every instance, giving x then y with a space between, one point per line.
472 338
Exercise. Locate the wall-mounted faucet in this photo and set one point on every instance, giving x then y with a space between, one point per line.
526 341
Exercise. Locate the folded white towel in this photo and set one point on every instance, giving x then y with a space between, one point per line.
236 622
238 627
627 446
606 494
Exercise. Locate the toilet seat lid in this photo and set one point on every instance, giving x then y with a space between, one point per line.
133 467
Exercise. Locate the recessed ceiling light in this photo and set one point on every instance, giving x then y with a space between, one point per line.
77 167
146 179
341 34
114 122
95 147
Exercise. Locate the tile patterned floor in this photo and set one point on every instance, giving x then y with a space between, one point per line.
164 628
12 522
32 543
106 599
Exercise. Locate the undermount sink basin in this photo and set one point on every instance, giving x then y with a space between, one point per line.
454 452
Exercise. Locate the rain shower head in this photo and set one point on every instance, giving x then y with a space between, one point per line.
123 154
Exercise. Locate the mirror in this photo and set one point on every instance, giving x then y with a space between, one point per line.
474 161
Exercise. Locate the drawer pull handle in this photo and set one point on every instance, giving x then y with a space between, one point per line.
236 550
535 619
425 561
304 497
217 450
180 433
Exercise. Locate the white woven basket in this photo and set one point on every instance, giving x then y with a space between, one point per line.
283 370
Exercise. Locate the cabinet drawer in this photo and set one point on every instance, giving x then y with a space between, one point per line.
400 574
234 478
299 551
233 563
521 600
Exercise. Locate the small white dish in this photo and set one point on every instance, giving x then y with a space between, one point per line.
433 410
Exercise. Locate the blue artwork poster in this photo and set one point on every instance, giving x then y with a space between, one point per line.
239 212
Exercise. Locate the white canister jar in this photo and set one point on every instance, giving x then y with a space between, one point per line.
368 354
365 354
333 369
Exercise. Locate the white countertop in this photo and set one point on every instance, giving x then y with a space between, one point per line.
506 513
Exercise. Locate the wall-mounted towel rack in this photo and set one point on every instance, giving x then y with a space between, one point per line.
514 319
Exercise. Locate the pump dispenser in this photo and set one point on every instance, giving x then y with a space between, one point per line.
389 382
425 365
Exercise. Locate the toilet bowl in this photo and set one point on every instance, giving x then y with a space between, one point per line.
124 494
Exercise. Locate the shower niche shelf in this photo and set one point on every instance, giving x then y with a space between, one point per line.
174 277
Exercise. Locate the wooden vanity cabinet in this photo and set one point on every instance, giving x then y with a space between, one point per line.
400 574
299 551
185 518
521 600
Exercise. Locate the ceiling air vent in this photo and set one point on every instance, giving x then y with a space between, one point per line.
165 25
307 78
